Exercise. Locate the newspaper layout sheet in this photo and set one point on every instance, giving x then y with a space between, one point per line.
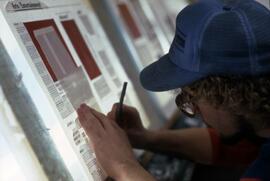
165 19
155 36
73 62
136 32
139 21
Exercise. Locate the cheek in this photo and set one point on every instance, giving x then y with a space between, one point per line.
218 120
209 119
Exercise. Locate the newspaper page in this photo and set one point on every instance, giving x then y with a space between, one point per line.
132 25
144 35
47 49
156 37
166 22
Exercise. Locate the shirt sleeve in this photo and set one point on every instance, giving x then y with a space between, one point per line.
240 154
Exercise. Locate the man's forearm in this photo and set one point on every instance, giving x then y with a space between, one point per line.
194 143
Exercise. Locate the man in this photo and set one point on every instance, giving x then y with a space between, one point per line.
220 58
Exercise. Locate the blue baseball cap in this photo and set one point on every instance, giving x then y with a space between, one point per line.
213 38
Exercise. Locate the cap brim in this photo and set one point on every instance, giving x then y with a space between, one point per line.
164 75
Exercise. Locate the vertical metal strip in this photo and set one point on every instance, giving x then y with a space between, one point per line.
29 120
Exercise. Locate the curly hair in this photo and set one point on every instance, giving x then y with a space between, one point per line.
247 98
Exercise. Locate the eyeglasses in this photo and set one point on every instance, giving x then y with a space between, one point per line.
185 105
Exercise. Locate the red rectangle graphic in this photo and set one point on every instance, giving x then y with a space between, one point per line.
52 48
129 21
81 48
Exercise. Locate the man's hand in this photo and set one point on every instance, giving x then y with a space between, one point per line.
192 143
110 144
131 123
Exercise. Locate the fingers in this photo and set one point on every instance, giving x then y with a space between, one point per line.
112 113
107 124
126 110
89 122
103 121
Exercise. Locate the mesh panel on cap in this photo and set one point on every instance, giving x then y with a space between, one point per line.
259 18
224 41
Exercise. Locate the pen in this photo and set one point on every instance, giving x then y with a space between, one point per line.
119 111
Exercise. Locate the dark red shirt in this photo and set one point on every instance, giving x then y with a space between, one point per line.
255 156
